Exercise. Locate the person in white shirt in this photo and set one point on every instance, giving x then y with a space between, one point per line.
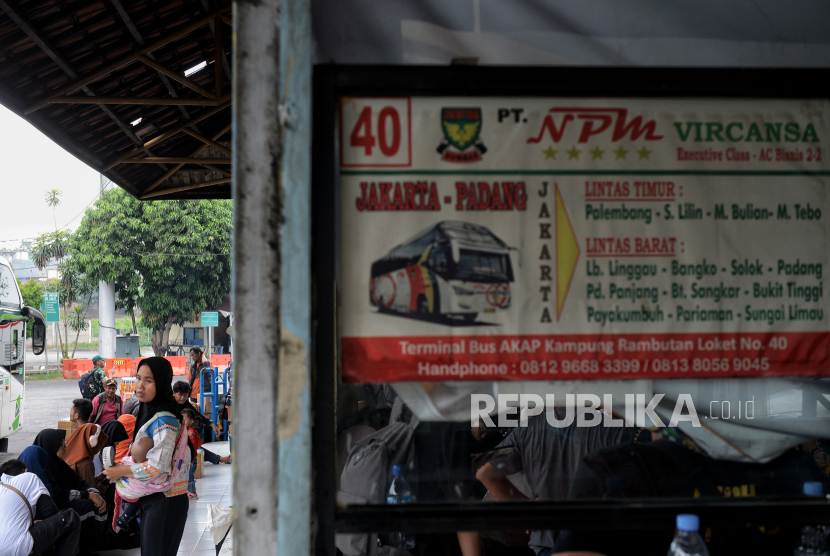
23 497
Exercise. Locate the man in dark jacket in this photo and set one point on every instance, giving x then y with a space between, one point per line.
107 407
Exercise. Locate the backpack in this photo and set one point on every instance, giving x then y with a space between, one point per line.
366 478
90 385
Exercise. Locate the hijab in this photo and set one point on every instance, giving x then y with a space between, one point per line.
58 472
128 422
164 400
37 460
84 443
115 432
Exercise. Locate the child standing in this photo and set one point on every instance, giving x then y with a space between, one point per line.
192 422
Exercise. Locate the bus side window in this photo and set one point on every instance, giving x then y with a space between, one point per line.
438 260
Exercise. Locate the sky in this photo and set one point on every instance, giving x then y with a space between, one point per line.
32 165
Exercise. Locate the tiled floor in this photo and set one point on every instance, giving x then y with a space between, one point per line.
214 488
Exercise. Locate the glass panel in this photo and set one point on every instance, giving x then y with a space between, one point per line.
718 439
643 278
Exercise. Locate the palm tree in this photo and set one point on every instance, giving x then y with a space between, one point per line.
53 199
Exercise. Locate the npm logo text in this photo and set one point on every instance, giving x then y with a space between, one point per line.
595 121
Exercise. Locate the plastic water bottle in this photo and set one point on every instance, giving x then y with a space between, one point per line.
813 537
400 493
687 541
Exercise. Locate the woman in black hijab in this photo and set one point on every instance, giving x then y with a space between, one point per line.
163 513
115 432
73 492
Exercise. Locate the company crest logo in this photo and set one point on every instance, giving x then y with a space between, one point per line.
461 128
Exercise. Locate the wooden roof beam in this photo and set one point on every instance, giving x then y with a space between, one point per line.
156 101
174 160
174 75
44 44
217 169
121 62
178 167
204 139
168 134
125 17
218 51
184 188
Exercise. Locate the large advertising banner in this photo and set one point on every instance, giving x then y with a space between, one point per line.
532 238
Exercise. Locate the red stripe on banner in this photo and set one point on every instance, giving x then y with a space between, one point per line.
584 356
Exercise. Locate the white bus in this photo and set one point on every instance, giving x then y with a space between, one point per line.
452 269
13 317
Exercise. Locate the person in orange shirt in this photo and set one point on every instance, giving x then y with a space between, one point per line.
200 363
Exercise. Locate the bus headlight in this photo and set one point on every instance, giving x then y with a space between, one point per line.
461 291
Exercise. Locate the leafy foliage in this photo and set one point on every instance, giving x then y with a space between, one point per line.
168 259
77 319
32 292
51 245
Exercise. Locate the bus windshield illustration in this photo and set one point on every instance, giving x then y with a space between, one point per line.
453 270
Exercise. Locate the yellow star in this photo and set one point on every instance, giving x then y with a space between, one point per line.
550 153
644 153
621 153
573 154
597 153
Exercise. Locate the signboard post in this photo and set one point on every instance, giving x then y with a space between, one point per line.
51 306
538 239
51 310
210 319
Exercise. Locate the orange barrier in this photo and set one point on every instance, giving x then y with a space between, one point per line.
124 367
179 364
74 368
220 361
119 367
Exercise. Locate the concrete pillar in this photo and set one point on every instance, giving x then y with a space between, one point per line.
106 319
272 301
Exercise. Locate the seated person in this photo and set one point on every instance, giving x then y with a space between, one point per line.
181 391
71 491
549 457
22 494
107 406
85 442
128 493
673 467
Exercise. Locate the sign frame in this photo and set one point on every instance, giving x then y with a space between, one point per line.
51 306
334 82
210 318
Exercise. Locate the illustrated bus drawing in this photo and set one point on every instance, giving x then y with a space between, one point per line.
454 270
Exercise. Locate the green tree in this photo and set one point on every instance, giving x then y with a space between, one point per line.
54 245
170 260
32 293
